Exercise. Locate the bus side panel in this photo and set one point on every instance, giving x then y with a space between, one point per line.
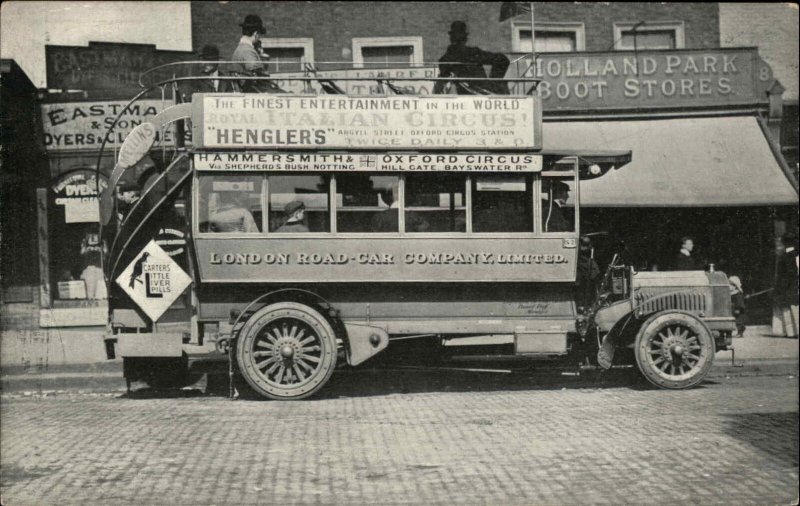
458 308
370 259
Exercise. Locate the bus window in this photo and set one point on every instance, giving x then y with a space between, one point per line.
288 192
230 203
502 203
558 209
435 203
367 203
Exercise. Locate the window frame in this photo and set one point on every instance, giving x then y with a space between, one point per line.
415 41
304 43
655 26
579 29
333 209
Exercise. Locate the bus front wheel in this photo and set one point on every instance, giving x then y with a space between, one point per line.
286 351
674 350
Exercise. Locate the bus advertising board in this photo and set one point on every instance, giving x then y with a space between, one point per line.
385 162
386 123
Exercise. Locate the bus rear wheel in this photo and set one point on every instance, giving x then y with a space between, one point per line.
674 350
286 351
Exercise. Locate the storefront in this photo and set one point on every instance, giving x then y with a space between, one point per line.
703 126
89 88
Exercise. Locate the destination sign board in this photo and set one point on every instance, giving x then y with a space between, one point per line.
340 122
387 162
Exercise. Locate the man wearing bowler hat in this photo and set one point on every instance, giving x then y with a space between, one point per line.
461 60
246 58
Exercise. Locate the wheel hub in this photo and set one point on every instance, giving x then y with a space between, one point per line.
287 351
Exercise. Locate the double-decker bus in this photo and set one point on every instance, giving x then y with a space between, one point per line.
298 232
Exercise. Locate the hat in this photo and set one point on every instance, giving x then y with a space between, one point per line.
253 23
735 281
292 207
128 186
586 241
209 53
559 185
458 28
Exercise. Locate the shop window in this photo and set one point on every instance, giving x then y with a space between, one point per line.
550 37
288 54
435 203
299 203
230 203
637 36
367 203
502 203
387 52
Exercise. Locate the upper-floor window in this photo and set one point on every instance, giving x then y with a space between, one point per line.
550 37
383 52
288 54
655 35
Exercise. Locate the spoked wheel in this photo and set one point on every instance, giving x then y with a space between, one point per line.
674 350
286 351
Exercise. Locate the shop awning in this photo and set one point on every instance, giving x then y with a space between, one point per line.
684 162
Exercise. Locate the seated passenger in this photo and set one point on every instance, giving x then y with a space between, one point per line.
295 212
210 69
231 216
556 217
387 220
461 60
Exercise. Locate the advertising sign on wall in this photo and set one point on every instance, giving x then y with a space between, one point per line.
646 79
338 122
83 125
76 192
108 65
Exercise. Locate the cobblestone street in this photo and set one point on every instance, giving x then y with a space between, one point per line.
412 437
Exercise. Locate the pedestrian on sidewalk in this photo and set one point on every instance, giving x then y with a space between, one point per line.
737 304
684 261
786 291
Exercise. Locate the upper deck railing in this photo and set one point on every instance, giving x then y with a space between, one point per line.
184 72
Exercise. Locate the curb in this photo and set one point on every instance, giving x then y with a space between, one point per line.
108 376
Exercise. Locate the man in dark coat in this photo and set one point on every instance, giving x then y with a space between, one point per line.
587 275
786 281
461 60
556 217
684 261
210 68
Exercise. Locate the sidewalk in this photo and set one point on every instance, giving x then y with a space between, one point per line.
756 354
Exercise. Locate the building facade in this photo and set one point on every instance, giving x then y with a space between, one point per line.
697 91
703 115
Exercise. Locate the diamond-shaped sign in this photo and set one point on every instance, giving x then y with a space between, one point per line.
153 280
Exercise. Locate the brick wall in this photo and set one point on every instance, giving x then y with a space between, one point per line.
334 24
773 27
